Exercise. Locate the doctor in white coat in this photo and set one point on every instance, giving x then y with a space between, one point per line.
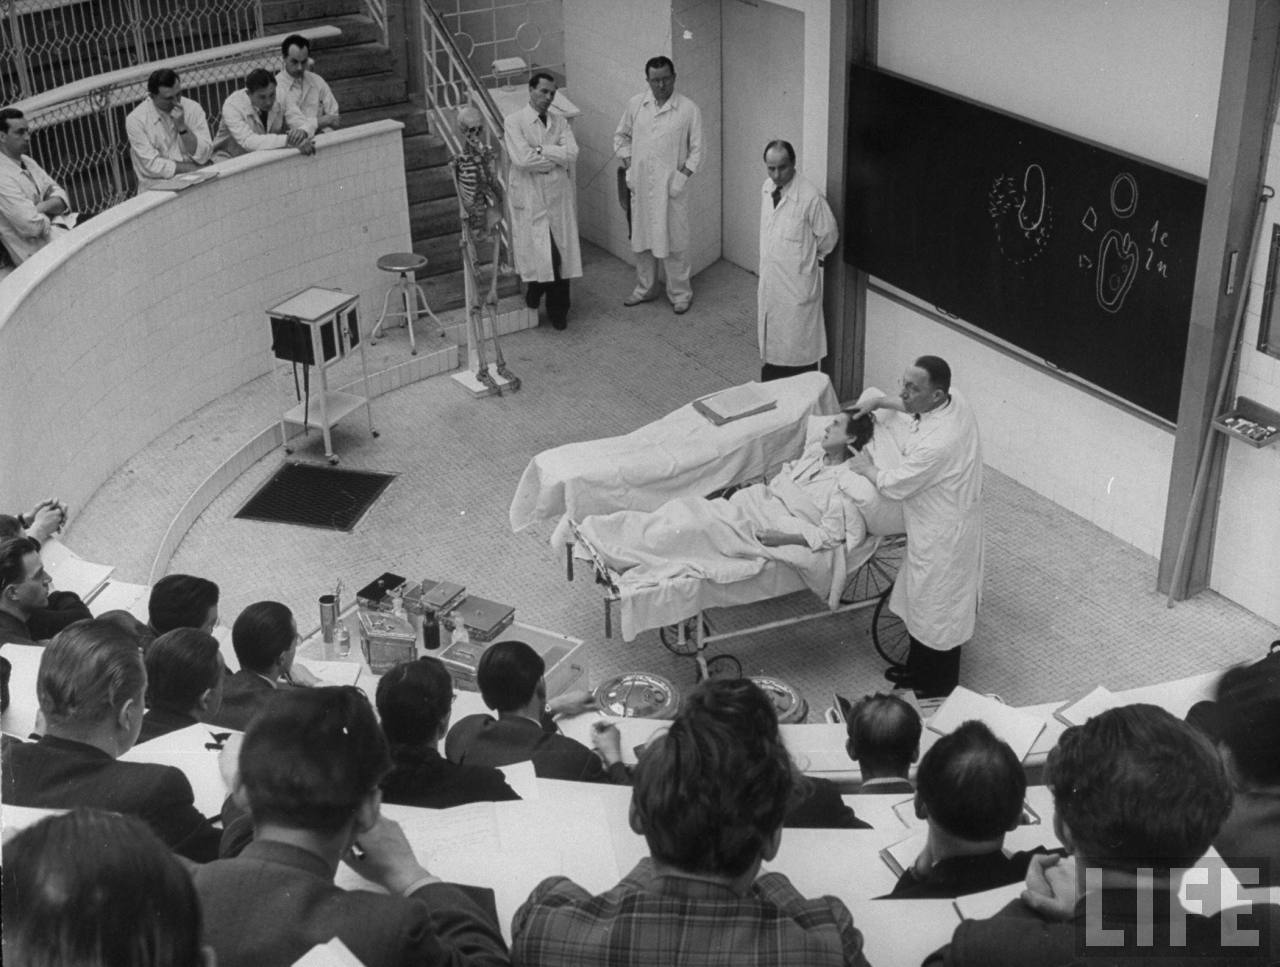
939 482
544 206
797 232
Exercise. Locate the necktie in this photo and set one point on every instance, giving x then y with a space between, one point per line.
262 116
777 196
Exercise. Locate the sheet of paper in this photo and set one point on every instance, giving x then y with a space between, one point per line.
200 768
1010 724
634 732
574 817
122 596
877 809
844 863
1032 835
438 833
980 906
83 577
194 738
334 672
521 777
900 856
1081 710
1175 697
902 933
19 719
332 954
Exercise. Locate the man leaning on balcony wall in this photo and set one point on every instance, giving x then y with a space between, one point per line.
168 133
29 199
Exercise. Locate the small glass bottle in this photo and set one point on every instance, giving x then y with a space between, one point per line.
344 640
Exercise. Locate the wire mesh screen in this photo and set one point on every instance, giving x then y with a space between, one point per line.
81 142
48 43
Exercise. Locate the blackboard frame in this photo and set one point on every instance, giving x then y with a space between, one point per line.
938 191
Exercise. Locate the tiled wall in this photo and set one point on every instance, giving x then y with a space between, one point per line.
156 307
606 45
1246 557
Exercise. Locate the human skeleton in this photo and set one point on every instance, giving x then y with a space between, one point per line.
480 198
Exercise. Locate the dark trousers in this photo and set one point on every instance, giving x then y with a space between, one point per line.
557 292
933 672
770 371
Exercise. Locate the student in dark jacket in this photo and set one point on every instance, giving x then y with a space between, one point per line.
509 674
414 703
184 682
265 639
308 770
970 790
90 685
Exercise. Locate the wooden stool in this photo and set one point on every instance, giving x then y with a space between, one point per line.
407 290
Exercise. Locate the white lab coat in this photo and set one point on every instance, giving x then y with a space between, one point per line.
793 236
939 482
659 140
543 203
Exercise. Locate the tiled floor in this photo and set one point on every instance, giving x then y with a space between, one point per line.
1066 606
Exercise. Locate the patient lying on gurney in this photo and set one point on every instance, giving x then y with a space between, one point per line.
814 504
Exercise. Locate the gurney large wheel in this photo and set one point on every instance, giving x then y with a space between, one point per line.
724 667
889 632
876 576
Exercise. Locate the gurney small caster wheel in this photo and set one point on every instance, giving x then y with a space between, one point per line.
724 667
333 461
376 433
685 643
288 450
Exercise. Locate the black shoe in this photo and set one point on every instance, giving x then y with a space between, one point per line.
901 676
559 322
532 296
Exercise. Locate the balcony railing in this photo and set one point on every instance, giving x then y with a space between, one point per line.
51 43
78 129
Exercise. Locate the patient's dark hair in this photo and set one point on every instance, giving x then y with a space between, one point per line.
311 756
508 674
860 429
711 792
95 889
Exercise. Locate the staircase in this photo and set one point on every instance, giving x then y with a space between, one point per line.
368 79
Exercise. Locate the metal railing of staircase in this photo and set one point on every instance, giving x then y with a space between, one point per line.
377 12
51 43
78 129
450 84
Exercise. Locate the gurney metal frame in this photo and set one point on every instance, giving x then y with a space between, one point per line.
869 586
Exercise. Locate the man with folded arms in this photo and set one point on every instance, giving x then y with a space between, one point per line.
254 119
168 133
29 199
709 799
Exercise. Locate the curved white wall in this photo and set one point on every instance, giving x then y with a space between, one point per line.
155 308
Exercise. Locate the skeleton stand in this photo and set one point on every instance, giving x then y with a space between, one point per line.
478 200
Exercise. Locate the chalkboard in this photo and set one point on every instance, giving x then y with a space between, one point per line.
1081 256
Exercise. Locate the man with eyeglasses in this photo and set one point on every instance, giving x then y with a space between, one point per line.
168 133
31 202
659 140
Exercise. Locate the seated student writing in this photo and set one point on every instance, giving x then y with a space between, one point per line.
709 800
91 888
509 675
969 789
414 702
184 682
91 685
308 771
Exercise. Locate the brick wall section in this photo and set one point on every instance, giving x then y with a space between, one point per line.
156 307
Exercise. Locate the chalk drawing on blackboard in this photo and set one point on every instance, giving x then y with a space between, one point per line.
1090 220
1124 194
1118 258
1021 214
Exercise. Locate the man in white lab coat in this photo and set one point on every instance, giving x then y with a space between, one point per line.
659 140
939 482
797 233
544 207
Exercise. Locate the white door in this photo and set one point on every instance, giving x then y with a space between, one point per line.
762 69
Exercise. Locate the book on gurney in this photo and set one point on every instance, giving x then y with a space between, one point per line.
734 404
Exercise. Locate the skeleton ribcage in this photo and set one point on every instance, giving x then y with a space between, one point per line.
477 191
